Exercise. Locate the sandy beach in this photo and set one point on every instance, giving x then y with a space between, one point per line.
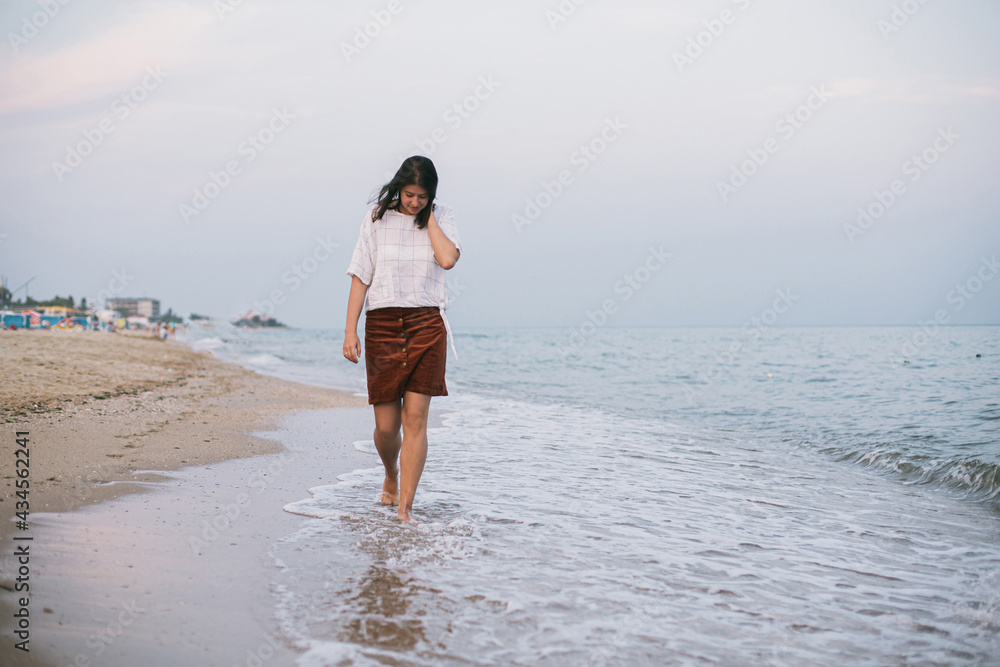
100 406
108 415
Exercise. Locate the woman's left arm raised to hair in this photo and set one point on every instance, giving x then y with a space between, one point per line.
445 251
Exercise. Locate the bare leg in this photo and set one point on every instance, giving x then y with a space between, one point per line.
414 449
388 443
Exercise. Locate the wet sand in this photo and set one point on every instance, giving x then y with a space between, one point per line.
107 414
181 575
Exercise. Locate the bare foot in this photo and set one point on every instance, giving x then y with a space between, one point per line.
390 491
406 514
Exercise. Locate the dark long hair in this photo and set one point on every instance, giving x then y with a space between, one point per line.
416 170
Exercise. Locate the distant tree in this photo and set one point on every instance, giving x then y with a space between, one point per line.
66 302
169 316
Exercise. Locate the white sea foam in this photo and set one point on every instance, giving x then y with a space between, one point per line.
323 502
366 446
262 359
556 533
211 343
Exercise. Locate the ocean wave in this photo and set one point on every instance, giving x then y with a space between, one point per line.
211 343
990 412
262 359
322 502
973 478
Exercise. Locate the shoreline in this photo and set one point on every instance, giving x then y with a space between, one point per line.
112 415
159 405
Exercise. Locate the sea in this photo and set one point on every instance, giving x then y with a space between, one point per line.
661 496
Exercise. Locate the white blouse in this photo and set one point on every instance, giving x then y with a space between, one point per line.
396 260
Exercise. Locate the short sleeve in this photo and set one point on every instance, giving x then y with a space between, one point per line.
447 224
362 261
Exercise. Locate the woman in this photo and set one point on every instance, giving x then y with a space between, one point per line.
406 244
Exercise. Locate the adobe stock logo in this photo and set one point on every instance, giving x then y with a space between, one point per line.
223 7
30 27
787 126
122 107
363 35
963 293
562 12
714 28
459 112
581 158
900 16
915 168
627 286
249 150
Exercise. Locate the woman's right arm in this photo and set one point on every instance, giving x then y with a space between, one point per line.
362 266
352 344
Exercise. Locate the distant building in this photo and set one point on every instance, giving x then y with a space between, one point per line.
142 306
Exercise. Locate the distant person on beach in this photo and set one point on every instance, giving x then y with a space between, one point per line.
406 244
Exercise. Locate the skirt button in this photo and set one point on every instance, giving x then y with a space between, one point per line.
404 363
401 319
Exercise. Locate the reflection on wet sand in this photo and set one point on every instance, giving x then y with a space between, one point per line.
382 616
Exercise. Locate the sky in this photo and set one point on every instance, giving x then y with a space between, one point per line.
628 163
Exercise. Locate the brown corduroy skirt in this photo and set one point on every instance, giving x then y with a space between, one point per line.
405 350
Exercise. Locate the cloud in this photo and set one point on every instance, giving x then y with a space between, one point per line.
104 64
984 91
855 87
922 90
